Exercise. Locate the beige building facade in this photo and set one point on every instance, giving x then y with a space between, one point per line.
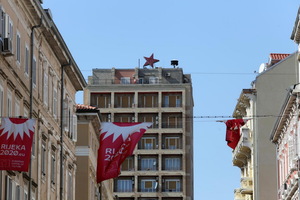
88 126
262 104
242 155
30 40
162 165
271 86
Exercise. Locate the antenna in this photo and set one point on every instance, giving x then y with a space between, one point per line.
139 63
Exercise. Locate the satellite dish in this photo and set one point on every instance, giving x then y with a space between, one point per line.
262 67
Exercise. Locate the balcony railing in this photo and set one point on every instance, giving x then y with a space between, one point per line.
98 81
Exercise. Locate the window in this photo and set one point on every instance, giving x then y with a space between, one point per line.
148 163
55 105
153 80
149 117
172 184
124 100
172 120
26 63
101 100
45 86
125 80
9 103
172 99
1 100
148 184
124 184
34 71
18 48
70 185
43 158
33 145
172 142
18 192
9 188
74 128
105 117
17 108
141 80
128 164
69 119
53 168
148 142
7 29
148 100
171 163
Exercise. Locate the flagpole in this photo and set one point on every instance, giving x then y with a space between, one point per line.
31 96
100 190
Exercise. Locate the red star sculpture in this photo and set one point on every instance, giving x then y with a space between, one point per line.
150 61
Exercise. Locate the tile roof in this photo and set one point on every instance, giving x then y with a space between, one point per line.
278 56
81 107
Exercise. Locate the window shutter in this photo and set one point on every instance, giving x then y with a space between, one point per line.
74 138
46 87
65 115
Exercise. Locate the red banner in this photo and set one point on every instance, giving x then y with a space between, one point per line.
16 135
233 131
117 142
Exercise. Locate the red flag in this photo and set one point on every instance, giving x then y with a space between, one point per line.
117 142
233 131
16 135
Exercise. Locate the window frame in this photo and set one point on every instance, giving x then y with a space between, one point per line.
143 184
125 80
18 48
26 60
124 184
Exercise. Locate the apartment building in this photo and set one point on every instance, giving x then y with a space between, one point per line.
255 154
285 136
162 165
30 42
88 126
242 155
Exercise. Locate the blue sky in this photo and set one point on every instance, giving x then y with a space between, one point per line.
220 43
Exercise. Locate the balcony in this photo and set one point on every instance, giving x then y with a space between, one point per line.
242 152
246 185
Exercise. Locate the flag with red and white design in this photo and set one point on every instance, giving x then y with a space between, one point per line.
117 142
16 135
233 131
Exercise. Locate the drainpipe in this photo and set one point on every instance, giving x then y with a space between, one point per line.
31 94
62 127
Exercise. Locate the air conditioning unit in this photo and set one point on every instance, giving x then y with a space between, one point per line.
7 45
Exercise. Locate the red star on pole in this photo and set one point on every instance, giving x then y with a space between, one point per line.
150 61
